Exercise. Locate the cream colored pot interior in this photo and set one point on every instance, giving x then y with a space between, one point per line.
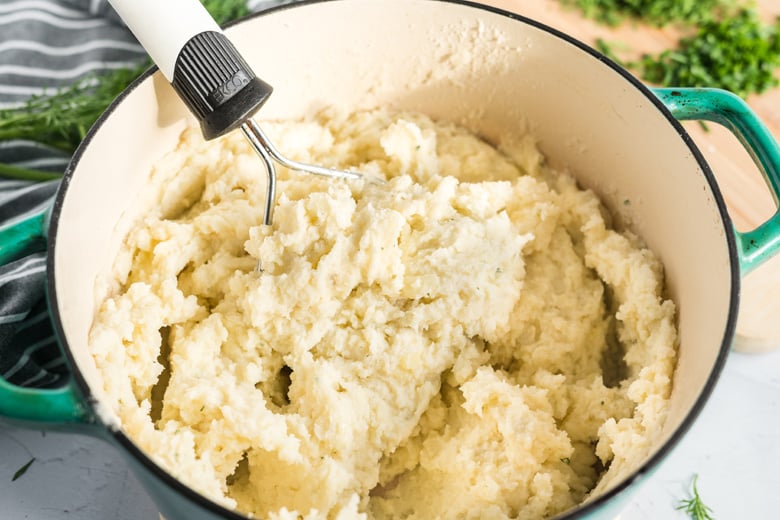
495 74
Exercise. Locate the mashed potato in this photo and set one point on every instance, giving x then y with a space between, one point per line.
469 339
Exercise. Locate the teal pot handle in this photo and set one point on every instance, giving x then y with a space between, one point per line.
55 408
41 407
720 106
22 233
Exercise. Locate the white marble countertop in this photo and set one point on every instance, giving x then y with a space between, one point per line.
734 447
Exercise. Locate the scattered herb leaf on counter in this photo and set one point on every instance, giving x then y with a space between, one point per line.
61 119
655 12
694 506
739 53
21 471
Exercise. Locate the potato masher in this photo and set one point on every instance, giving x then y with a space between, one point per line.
211 77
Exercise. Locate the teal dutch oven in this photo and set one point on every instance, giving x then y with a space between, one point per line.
495 72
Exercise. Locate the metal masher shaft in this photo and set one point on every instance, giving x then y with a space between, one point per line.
211 78
270 192
268 152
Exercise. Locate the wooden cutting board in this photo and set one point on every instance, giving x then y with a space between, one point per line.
748 199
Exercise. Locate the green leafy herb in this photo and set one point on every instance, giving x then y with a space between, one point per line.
608 49
694 506
226 10
21 471
739 53
28 174
61 118
655 12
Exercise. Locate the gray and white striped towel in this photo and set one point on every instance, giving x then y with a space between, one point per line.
46 44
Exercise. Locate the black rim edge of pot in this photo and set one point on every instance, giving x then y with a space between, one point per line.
651 463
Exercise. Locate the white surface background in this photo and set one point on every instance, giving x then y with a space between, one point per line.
734 447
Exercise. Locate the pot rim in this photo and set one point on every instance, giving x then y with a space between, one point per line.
583 509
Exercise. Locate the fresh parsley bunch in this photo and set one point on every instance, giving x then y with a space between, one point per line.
655 12
727 45
739 53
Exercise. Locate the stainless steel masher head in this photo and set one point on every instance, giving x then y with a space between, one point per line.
211 77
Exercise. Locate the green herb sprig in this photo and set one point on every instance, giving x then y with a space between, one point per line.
694 506
61 119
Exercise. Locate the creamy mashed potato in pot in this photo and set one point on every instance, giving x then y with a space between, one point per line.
470 339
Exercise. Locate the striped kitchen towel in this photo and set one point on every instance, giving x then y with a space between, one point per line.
45 45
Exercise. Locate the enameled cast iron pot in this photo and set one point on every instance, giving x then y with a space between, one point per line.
495 72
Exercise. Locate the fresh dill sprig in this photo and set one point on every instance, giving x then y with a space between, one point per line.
61 118
694 506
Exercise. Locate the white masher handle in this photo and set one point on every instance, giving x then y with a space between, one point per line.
163 27
206 70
